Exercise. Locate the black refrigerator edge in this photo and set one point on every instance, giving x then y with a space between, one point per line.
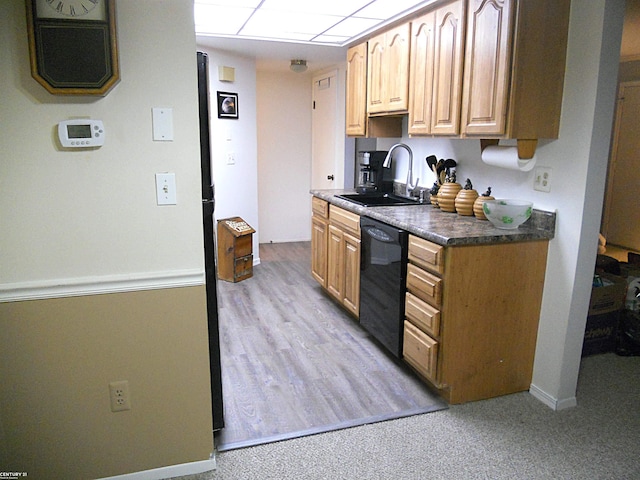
208 205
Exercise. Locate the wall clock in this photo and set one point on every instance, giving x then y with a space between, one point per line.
72 45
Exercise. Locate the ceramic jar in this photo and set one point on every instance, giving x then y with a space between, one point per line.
447 196
464 201
477 206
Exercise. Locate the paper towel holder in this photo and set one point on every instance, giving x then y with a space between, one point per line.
526 147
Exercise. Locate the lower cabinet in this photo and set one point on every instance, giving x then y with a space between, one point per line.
335 253
319 237
343 259
471 316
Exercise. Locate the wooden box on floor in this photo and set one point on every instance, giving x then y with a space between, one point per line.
235 254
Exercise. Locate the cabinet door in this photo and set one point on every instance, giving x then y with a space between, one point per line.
351 299
396 68
319 237
487 67
375 75
356 100
447 73
335 265
421 75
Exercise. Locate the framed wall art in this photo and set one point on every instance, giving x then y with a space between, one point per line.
227 105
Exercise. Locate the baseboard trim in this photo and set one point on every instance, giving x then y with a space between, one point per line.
171 471
75 287
551 401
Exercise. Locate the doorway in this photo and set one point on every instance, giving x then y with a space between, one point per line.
621 221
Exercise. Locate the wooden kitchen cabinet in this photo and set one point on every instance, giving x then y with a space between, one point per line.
388 71
356 100
357 121
476 338
343 259
435 81
514 68
319 239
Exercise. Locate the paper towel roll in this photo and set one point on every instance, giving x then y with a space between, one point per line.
506 157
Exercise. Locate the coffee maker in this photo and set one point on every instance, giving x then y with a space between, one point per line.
371 173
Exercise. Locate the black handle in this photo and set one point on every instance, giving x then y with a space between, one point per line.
329 177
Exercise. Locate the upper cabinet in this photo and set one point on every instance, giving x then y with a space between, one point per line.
487 69
388 71
514 68
435 84
356 111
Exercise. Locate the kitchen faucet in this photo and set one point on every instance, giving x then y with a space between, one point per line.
410 186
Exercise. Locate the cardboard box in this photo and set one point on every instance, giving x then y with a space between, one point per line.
607 301
601 333
610 297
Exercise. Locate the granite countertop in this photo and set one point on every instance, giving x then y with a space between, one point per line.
445 228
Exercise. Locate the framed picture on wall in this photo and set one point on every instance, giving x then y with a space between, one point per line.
227 105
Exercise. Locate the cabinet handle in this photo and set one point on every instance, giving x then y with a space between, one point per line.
329 177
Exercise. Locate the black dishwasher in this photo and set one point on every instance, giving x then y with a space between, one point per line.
383 273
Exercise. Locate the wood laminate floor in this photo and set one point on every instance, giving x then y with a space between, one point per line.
294 363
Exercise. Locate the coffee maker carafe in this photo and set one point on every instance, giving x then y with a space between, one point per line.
371 172
367 176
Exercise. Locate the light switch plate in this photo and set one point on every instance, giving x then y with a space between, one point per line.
166 188
162 124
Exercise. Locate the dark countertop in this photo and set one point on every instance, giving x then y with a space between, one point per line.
445 228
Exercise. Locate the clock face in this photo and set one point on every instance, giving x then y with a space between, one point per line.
80 9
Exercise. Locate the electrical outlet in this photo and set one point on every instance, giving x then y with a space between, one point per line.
542 179
119 395
231 158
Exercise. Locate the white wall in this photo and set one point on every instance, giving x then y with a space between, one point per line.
284 156
578 160
236 187
84 227
71 216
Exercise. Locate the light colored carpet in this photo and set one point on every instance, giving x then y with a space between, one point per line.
511 437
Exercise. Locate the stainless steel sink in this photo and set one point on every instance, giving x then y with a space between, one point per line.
378 199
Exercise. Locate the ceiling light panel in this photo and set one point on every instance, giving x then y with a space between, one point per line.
220 20
230 3
329 39
282 24
385 9
342 8
350 27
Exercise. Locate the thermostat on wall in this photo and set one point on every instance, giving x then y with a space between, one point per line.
81 133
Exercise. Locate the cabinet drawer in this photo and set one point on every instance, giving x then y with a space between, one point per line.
424 285
422 315
426 254
344 219
421 352
320 207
